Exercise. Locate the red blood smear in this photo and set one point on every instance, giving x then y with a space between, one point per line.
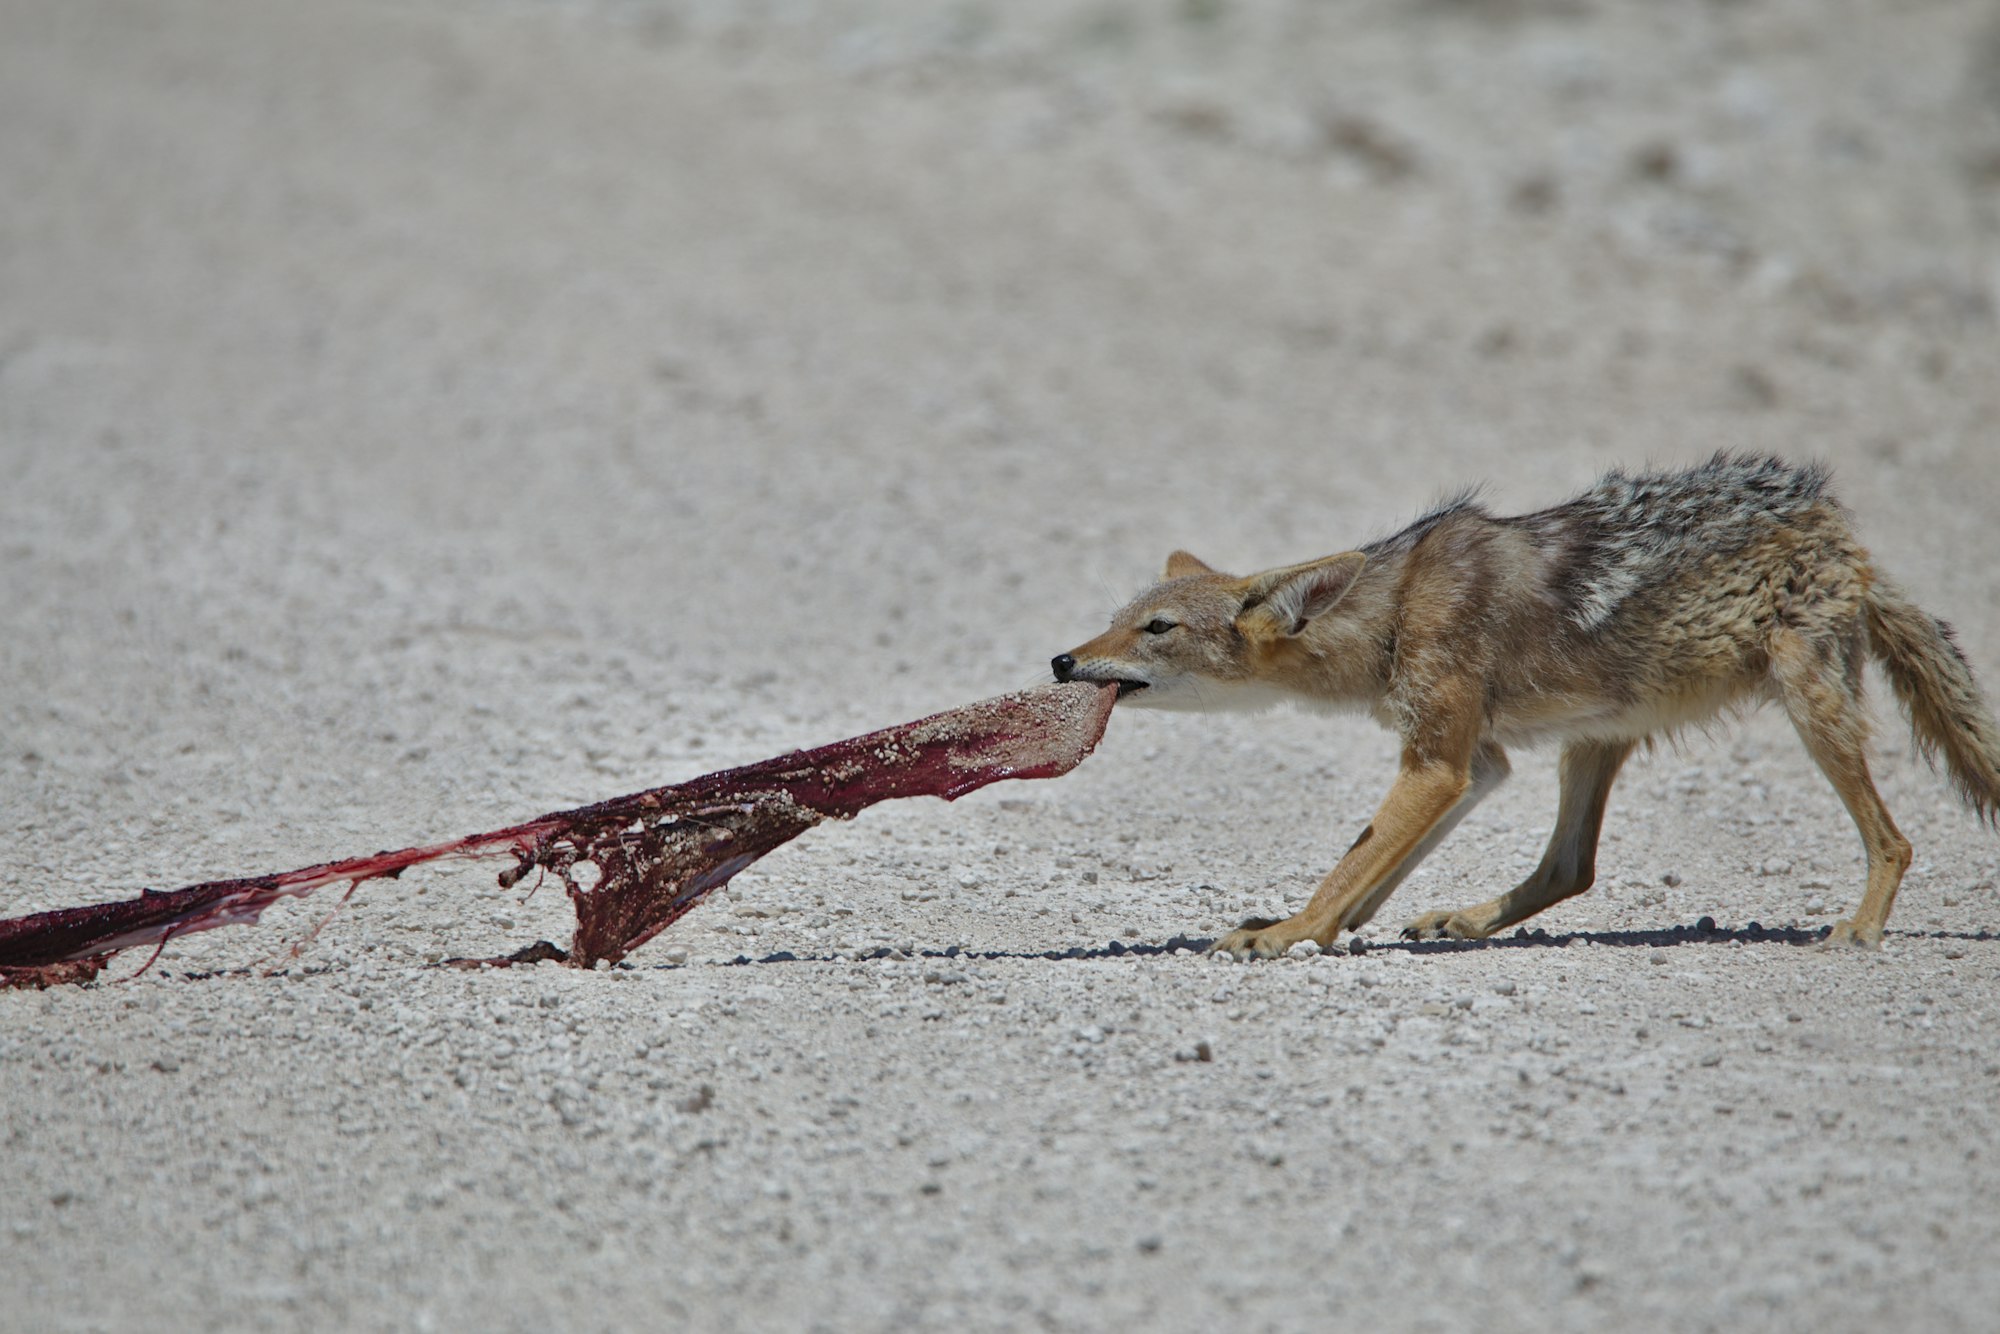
658 853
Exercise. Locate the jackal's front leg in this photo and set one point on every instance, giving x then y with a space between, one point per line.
1568 866
1423 798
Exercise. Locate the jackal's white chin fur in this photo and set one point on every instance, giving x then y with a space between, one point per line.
1193 694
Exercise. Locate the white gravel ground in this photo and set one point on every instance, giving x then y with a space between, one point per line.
416 417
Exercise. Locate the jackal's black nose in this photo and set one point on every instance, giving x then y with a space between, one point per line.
1063 664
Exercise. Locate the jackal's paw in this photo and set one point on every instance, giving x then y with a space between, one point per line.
1846 932
1260 938
1444 926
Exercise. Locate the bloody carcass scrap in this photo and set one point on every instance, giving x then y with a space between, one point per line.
632 865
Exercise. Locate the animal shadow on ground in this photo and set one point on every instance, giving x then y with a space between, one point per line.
1703 932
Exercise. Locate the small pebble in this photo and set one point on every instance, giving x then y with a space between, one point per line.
1305 949
1659 956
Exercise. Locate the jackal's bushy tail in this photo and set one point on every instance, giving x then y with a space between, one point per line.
1931 677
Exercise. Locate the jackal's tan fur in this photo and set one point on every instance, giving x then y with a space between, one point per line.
1644 605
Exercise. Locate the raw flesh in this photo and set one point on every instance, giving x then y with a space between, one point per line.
635 864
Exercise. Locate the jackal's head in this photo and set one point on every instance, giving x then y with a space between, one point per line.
1200 639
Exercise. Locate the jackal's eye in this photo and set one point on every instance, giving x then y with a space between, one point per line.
1159 625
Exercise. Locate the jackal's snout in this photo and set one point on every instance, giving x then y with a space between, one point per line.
1064 665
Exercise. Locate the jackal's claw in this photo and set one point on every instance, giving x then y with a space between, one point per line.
1443 926
1257 938
1845 934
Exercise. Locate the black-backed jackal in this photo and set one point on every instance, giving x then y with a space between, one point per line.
1644 605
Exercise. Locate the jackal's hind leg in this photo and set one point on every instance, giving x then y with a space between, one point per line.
1568 866
1821 696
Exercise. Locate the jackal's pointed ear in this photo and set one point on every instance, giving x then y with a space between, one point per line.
1284 602
1184 563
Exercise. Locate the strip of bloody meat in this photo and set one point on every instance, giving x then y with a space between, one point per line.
635 864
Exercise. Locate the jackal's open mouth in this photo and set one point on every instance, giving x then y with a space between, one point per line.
1129 687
